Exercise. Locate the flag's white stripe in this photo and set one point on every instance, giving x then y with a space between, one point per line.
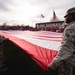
42 43
33 34
39 42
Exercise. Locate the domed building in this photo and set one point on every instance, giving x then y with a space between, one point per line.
52 25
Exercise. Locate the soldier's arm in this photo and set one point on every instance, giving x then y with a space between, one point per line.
66 50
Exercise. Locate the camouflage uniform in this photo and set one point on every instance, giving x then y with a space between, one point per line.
65 59
2 65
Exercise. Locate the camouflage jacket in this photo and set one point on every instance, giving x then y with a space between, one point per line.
2 65
65 58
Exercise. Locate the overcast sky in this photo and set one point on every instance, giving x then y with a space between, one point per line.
29 12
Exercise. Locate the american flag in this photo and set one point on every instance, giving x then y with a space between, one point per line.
42 46
42 16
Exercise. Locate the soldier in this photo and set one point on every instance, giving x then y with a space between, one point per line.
2 65
64 61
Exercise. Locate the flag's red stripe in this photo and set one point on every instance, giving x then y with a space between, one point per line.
41 55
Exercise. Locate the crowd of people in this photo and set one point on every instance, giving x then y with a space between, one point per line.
18 27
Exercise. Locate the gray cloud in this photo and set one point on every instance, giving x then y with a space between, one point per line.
44 7
4 5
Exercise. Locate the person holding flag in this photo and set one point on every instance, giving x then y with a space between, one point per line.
64 61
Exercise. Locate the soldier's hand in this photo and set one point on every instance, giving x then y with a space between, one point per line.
50 66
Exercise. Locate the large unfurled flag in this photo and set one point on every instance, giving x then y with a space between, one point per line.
41 46
42 16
